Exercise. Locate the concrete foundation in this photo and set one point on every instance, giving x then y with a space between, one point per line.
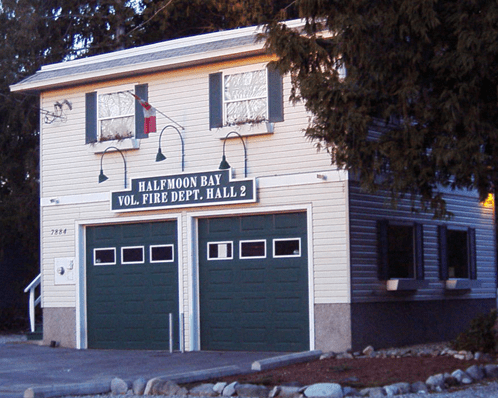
333 327
402 323
59 325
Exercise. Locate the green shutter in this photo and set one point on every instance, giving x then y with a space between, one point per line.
383 250
471 238
215 100
275 96
419 250
142 91
90 118
443 252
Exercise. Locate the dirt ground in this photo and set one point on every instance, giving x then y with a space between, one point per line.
358 373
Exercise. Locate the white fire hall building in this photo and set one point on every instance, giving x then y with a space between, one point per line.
228 218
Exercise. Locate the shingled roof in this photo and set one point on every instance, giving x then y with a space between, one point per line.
189 51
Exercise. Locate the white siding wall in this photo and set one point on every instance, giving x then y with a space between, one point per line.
70 169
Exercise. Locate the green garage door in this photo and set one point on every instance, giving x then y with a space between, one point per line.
254 283
132 285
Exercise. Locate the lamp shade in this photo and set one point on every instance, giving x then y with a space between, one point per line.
102 176
224 164
160 157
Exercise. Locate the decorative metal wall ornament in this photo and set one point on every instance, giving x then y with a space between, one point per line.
58 113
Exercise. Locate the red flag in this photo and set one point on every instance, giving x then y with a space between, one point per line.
149 115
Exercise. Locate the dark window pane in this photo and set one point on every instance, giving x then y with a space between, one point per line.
133 255
253 249
104 256
291 247
219 250
458 258
400 253
161 253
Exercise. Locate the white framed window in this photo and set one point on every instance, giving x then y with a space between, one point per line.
220 250
132 255
248 99
245 95
115 113
162 254
104 256
288 247
252 249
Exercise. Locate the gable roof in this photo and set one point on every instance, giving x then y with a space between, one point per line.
172 54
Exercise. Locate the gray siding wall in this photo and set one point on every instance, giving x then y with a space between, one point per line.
366 209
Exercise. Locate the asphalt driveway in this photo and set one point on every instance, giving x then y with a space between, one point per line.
25 365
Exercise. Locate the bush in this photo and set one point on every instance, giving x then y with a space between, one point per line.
480 336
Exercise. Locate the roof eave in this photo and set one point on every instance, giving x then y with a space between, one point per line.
141 69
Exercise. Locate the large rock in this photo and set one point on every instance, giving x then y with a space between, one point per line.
285 392
373 392
402 388
139 385
229 390
435 382
219 387
324 390
203 390
350 392
368 350
158 386
419 387
462 377
118 386
491 370
251 390
476 372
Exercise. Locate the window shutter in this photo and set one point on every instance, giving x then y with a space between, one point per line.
419 250
142 90
275 96
383 249
471 246
215 101
443 252
90 118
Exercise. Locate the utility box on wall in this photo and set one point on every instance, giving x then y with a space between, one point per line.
64 271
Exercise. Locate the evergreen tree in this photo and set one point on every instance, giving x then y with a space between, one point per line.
422 74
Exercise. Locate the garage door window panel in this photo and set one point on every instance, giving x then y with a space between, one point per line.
162 254
252 249
132 255
104 256
220 250
287 248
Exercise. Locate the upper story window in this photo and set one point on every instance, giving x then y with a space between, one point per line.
400 252
457 253
247 95
114 114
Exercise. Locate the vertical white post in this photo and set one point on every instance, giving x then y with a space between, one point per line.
170 332
32 309
182 332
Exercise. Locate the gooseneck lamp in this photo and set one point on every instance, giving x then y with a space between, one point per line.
224 163
160 156
102 176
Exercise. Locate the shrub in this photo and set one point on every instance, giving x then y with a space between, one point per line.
480 336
